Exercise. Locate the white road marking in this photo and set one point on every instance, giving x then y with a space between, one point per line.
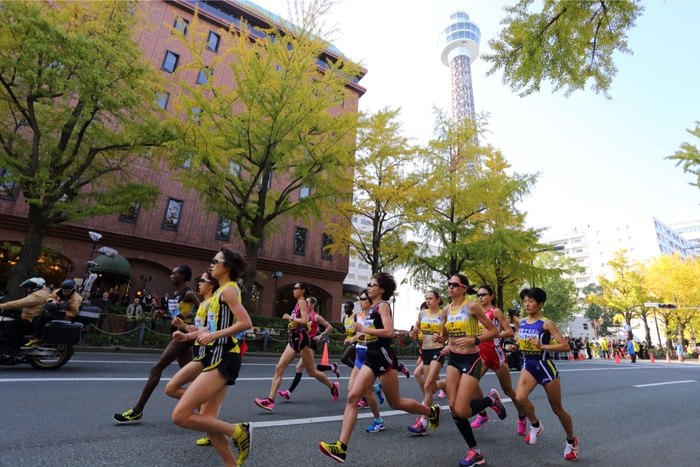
664 383
151 362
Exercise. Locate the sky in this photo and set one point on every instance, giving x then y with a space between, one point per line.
599 160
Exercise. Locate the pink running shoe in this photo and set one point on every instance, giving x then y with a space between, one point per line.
480 421
522 426
418 429
265 403
497 406
335 392
286 395
362 404
441 394
404 370
334 369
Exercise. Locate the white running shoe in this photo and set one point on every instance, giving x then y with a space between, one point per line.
531 437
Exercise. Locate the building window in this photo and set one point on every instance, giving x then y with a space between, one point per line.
8 190
300 241
172 214
213 41
234 169
131 214
326 241
162 99
364 266
181 25
223 229
187 163
365 222
304 192
351 276
352 264
170 62
204 76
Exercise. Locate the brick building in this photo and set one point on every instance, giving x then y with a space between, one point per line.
177 230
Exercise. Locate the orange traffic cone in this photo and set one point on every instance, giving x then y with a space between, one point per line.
680 358
571 356
617 359
324 358
668 358
651 358
580 356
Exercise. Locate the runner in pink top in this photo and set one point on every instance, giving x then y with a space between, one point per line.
493 356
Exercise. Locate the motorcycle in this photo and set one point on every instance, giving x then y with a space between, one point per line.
56 348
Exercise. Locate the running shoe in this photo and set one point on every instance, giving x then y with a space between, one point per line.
286 395
266 404
480 421
335 392
362 404
531 437
375 427
334 369
441 394
243 442
30 344
379 392
418 428
434 419
203 442
497 405
571 451
522 426
473 458
404 370
334 451
128 416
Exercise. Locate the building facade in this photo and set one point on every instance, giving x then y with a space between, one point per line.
178 229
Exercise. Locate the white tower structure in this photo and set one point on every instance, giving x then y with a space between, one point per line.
460 47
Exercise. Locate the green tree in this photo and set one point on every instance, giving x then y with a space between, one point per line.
562 295
598 315
688 156
383 195
276 143
565 42
77 106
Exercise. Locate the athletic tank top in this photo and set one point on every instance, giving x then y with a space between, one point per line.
177 307
496 341
293 325
349 324
373 320
461 323
200 319
430 325
312 328
361 336
536 329
220 317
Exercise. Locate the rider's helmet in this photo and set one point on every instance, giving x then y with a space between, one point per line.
35 283
68 287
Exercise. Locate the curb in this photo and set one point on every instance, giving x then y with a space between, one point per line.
147 351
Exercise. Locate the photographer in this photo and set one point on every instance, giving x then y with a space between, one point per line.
32 305
64 299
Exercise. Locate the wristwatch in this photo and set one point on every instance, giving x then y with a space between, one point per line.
476 340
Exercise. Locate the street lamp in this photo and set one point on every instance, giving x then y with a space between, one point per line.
276 275
88 278
532 261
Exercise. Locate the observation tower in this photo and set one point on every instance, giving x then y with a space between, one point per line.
460 47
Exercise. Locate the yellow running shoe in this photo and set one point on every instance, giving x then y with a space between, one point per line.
243 442
203 442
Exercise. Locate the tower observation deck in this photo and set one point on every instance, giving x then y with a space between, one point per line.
460 47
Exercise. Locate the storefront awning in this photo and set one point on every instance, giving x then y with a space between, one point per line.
118 266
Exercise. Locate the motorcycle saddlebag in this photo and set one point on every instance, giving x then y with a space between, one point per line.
62 333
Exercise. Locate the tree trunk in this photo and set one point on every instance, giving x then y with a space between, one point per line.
647 331
28 254
669 342
252 249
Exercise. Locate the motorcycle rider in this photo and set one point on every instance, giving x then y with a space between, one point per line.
67 298
32 305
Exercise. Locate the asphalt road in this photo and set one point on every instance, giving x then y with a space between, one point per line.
63 418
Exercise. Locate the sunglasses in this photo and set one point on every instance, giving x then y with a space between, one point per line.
370 285
455 284
201 279
364 299
482 295
217 261
296 288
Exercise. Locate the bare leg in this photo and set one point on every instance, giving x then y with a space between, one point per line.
431 375
363 381
503 374
187 374
420 376
284 361
307 357
390 386
372 401
526 384
553 390
221 442
171 352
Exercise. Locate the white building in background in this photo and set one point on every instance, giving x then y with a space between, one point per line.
690 230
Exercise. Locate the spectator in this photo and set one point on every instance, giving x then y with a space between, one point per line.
52 287
113 296
134 309
164 302
631 350
589 350
125 300
104 302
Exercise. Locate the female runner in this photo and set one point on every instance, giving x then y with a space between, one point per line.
181 305
430 323
493 356
226 318
299 343
462 318
535 336
349 321
314 321
207 287
381 362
